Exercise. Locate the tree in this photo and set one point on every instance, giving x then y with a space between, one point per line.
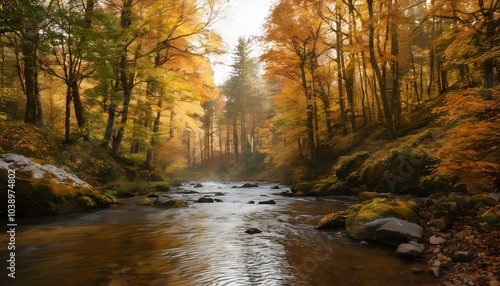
155 29
376 69
21 21
296 43
474 33
70 34
242 91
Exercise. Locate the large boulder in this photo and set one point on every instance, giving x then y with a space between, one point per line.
396 231
43 189
401 171
361 214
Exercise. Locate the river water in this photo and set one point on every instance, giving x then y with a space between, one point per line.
204 244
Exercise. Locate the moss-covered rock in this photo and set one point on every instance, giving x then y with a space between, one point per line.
350 164
359 215
333 220
45 189
163 202
401 170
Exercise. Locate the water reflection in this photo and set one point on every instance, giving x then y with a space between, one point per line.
204 244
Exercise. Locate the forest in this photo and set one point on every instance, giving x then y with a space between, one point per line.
392 105
135 77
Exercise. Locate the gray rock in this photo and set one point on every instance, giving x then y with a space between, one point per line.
398 230
39 171
411 249
251 202
492 199
436 240
463 256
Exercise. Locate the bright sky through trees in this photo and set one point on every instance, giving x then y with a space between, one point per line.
243 18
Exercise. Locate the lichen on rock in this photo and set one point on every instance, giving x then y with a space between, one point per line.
43 189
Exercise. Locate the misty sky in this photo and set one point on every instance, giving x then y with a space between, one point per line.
243 18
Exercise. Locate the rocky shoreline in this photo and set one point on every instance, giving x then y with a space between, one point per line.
456 235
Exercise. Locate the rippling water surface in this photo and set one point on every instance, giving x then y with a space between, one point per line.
204 244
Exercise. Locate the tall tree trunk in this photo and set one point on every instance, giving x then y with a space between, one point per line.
127 90
235 137
396 97
126 79
108 134
376 69
309 110
67 117
343 117
28 50
78 106
189 148
150 151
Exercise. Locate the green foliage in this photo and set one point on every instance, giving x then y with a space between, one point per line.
488 220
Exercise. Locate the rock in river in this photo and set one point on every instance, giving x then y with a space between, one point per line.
269 202
163 202
253 230
205 200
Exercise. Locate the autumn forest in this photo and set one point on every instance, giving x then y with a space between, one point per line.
135 77
344 136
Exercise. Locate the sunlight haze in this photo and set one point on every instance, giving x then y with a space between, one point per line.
241 18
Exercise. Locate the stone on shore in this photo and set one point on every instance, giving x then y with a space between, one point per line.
411 250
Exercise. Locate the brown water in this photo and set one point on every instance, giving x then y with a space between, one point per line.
204 244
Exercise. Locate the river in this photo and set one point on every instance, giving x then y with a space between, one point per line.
204 244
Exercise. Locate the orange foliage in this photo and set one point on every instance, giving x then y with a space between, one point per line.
470 147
